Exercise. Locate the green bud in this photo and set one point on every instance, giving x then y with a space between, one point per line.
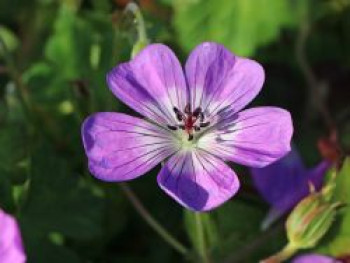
310 220
142 39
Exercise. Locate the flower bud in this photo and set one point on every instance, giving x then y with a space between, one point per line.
142 39
310 220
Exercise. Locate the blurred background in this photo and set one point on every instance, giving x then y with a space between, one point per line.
54 56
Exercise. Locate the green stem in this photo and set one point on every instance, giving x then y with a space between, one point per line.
287 252
151 221
201 239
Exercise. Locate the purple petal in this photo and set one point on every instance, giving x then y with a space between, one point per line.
314 258
198 180
255 137
219 80
152 83
11 247
120 147
284 183
278 182
316 174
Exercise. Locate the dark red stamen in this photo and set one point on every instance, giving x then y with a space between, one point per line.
188 120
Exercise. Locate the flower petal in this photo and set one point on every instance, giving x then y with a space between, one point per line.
219 80
11 247
198 180
152 83
280 183
120 147
317 174
255 137
314 258
284 183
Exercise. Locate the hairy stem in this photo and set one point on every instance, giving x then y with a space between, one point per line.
151 221
203 251
287 252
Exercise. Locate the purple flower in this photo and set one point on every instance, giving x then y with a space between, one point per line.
192 121
11 248
314 258
284 183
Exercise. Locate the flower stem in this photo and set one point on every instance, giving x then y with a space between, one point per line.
151 221
201 239
288 251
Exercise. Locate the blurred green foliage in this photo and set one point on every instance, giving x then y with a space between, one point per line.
338 240
61 52
198 21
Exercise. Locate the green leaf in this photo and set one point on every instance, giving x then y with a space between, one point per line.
10 39
239 224
241 25
59 201
13 152
337 243
42 250
69 47
6 200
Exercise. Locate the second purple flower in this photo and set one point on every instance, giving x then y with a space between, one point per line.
193 121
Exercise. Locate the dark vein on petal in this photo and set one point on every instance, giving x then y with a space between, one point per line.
171 170
217 148
161 114
166 84
241 128
152 112
146 162
225 101
219 182
140 146
140 156
231 72
138 125
233 122
179 175
130 132
194 172
175 83
193 99
206 170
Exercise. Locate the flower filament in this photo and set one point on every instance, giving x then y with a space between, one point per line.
190 121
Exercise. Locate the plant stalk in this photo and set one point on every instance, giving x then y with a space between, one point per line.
203 251
151 221
287 252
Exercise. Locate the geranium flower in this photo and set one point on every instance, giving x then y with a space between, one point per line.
11 247
192 121
284 183
315 258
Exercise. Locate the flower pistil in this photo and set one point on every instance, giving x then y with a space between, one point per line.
189 120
